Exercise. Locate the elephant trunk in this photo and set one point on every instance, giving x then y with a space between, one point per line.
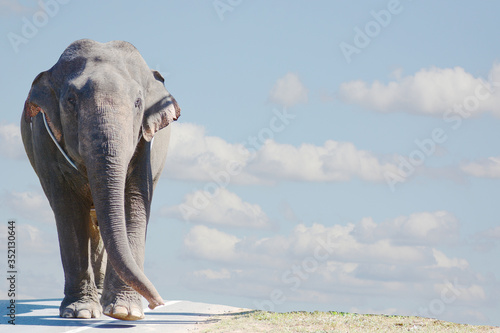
107 165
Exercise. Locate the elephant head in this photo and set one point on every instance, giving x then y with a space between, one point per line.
100 101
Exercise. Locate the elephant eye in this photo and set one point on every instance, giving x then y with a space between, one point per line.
138 103
72 101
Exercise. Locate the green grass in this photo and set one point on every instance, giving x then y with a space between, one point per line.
261 321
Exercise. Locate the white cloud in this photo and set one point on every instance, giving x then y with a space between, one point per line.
340 263
425 228
288 91
11 145
29 205
443 261
491 234
470 294
487 240
362 242
196 156
334 161
33 239
210 244
37 258
488 168
220 207
433 91
211 274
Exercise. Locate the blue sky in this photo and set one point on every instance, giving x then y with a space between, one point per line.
301 176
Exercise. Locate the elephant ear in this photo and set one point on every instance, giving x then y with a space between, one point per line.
160 108
42 98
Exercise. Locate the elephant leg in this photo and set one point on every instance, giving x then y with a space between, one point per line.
70 201
73 226
119 300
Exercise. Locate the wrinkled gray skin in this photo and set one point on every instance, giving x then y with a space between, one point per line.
103 105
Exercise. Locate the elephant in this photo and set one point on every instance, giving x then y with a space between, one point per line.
95 129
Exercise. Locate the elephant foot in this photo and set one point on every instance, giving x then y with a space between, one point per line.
84 308
125 307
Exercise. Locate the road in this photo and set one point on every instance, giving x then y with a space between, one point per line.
37 316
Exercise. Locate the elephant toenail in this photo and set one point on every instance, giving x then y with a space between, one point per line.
84 314
136 313
67 313
120 310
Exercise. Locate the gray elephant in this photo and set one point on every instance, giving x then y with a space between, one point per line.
94 127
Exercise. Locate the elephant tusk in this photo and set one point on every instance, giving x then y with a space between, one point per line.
58 145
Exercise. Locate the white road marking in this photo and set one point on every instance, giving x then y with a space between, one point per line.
161 306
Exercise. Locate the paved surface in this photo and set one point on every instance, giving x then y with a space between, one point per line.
34 316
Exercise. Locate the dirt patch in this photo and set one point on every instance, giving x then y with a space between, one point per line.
261 321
